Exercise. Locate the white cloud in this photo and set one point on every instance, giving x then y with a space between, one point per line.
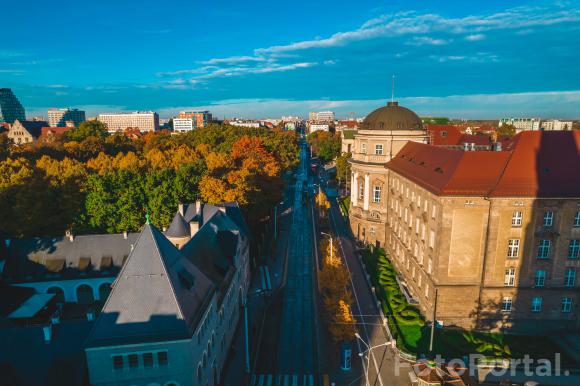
475 37
425 40
330 62
233 60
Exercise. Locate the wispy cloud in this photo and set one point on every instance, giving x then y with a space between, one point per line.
475 37
425 40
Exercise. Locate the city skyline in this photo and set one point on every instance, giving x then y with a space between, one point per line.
459 60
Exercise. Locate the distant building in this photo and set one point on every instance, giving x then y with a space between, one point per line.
322 116
521 124
250 124
318 127
201 118
59 117
183 125
556 125
144 121
22 132
10 107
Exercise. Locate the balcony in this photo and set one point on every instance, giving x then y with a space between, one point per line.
370 158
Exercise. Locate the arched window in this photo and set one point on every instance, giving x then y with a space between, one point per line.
85 294
104 291
59 293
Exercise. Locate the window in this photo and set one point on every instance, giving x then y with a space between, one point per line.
577 219
548 218
513 248
363 148
536 304
118 362
372 231
434 211
510 277
361 191
570 277
544 249
540 278
517 219
423 232
427 291
162 358
419 201
379 149
432 239
417 223
148 359
429 266
376 194
574 249
506 304
133 360
566 305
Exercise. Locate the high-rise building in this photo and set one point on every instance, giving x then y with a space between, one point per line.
322 116
200 118
10 107
59 117
142 120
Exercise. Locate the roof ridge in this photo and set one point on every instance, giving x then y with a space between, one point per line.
166 271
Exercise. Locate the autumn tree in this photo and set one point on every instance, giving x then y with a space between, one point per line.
87 129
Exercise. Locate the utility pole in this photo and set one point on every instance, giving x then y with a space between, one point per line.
433 324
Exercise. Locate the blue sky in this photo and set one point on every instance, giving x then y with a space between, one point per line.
463 59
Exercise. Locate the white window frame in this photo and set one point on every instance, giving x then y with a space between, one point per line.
544 248
361 191
378 149
431 239
376 194
574 249
537 304
517 218
548 220
540 278
510 277
566 305
513 248
569 277
506 304
363 148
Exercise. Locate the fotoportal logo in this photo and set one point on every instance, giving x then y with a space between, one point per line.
526 366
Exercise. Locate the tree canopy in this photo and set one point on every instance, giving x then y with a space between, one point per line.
324 144
89 181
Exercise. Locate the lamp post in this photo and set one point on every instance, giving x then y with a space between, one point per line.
368 351
331 247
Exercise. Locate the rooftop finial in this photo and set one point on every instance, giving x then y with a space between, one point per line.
393 90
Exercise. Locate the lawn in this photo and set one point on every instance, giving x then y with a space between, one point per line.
412 333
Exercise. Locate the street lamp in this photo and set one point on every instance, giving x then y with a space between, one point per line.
368 350
331 248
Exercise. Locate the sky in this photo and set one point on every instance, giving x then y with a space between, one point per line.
263 58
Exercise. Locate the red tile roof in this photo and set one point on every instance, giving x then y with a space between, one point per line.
542 164
54 130
444 134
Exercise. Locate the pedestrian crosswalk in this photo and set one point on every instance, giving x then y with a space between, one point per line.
282 380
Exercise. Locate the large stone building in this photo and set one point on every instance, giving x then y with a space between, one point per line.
172 300
380 136
10 107
144 121
490 240
60 117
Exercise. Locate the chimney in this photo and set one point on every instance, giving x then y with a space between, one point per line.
198 207
498 146
180 209
193 227
472 147
70 235
125 235
465 146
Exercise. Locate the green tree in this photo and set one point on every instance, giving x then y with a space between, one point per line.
343 167
508 130
87 129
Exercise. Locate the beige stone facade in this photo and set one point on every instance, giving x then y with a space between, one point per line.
375 143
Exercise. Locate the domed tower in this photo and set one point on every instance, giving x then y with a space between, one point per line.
379 138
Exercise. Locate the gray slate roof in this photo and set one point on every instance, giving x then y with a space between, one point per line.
58 258
179 227
158 295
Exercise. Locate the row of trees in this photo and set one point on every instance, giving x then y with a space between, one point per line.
89 181
325 145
